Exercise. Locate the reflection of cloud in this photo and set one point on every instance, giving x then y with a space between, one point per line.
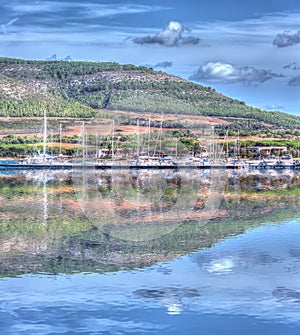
224 263
295 81
170 297
285 39
168 291
221 266
218 72
164 271
170 36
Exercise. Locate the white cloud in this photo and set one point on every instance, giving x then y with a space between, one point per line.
111 10
170 36
84 10
286 39
23 8
291 66
295 81
5 26
264 25
164 64
219 72
273 107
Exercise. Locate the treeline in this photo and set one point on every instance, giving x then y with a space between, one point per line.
18 108
266 143
161 103
293 146
59 70
22 150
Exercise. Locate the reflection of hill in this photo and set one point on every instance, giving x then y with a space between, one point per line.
66 241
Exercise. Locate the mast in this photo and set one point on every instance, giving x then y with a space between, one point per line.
149 129
212 155
138 138
226 149
97 149
160 137
226 139
214 149
51 141
83 144
238 145
45 134
113 139
59 139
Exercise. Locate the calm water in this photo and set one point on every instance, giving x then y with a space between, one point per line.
150 253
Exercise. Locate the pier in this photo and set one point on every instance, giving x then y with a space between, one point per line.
142 167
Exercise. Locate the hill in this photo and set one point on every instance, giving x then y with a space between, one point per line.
85 89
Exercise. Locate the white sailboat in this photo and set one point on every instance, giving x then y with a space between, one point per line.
41 158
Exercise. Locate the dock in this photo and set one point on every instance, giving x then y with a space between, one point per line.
141 167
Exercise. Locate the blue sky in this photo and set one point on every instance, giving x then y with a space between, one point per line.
247 50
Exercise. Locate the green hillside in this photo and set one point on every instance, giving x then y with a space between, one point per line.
81 89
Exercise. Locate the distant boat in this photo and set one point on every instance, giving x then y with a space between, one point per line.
287 161
253 162
236 162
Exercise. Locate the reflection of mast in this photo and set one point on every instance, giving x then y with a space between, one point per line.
45 200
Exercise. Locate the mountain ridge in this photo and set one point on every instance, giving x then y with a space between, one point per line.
64 88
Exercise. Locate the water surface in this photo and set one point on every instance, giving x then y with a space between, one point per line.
233 270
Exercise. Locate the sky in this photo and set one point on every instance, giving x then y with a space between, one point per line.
246 50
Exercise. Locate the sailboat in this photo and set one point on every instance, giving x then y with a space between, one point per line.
157 159
41 158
